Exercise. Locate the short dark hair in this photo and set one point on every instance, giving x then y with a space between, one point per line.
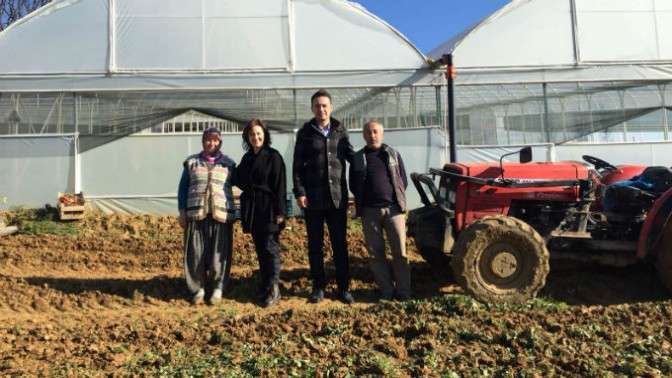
320 93
255 122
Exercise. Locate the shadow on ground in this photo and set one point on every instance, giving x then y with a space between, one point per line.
581 284
571 283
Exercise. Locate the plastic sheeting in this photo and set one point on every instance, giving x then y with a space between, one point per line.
540 152
621 153
147 169
536 41
106 116
557 113
34 169
132 45
140 173
505 39
648 154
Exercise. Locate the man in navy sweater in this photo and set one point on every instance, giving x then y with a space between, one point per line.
378 181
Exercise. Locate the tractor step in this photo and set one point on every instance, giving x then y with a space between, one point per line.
571 234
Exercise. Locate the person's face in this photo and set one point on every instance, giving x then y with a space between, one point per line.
256 137
211 144
322 109
373 135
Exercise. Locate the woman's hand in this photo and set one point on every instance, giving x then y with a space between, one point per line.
182 219
302 202
279 219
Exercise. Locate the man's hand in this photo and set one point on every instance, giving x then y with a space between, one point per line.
302 202
279 219
182 219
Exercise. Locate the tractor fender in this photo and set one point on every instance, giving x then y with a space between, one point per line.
656 220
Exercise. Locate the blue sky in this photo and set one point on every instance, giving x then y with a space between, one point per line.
427 23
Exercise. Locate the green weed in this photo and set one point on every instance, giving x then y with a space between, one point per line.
381 364
40 222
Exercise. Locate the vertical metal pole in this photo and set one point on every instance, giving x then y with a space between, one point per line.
564 121
575 32
112 37
663 100
77 161
414 104
296 112
506 124
592 119
450 77
523 122
441 120
385 96
547 122
439 111
397 93
291 206
625 123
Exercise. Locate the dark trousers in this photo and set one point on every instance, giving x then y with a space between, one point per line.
207 254
336 222
268 253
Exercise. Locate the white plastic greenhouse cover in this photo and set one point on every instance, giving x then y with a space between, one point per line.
117 45
539 41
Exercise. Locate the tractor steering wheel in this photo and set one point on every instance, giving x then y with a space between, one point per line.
599 164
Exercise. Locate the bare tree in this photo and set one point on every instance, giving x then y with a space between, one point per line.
12 10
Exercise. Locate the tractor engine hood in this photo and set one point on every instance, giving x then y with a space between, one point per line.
565 170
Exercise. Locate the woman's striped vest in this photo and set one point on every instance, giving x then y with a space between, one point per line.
210 190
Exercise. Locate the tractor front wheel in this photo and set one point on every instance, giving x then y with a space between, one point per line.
500 259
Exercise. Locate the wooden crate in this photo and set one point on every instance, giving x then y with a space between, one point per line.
71 212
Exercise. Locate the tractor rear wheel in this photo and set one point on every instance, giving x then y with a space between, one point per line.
500 259
664 258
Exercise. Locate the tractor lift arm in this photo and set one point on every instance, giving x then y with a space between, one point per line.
418 180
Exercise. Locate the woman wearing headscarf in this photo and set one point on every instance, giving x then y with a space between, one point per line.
205 202
263 206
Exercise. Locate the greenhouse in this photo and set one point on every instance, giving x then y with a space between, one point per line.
111 104
565 72
83 116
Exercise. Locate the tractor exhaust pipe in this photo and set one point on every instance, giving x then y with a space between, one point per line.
451 74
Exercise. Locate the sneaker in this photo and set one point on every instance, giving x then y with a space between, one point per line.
198 297
345 297
216 297
272 298
316 296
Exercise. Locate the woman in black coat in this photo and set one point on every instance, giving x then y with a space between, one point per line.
263 204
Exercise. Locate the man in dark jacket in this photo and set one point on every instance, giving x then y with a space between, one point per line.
321 190
378 181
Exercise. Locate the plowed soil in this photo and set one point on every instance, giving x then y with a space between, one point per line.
111 301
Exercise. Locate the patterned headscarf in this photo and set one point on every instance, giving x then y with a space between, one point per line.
212 158
212 130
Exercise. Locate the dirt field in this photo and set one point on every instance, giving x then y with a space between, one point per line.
106 297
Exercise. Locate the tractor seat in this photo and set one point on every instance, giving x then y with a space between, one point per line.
629 198
659 179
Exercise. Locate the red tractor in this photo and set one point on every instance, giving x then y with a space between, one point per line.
495 223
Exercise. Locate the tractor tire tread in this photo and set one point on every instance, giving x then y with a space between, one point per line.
473 240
